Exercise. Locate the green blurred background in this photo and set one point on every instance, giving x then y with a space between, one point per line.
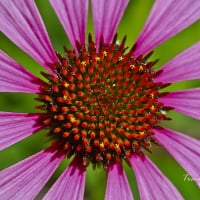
130 25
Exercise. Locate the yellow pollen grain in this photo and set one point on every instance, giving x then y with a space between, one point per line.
116 146
65 97
120 58
66 85
101 145
141 133
105 53
152 95
72 119
132 66
97 58
152 107
141 68
83 63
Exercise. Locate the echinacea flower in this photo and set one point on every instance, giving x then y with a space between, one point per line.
102 103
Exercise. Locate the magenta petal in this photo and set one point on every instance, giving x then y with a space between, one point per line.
185 101
25 179
16 126
184 149
70 185
166 19
73 16
183 67
14 78
20 22
117 184
152 183
107 15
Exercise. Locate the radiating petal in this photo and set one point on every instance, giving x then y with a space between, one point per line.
14 78
73 16
166 19
17 126
184 149
107 15
153 185
184 101
25 179
71 183
117 184
20 22
185 66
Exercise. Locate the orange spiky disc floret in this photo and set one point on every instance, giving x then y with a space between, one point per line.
102 106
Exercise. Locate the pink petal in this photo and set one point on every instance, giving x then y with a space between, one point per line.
20 22
107 15
17 126
25 179
185 101
14 78
166 19
152 183
71 183
184 149
183 67
73 16
117 184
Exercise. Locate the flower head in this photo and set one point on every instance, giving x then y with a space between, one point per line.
102 103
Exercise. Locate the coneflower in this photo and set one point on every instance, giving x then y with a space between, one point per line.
102 102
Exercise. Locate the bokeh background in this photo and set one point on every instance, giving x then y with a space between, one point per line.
131 24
